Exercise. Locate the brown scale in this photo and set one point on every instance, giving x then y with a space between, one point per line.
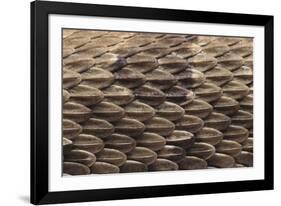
221 160
246 104
248 61
186 50
124 50
118 95
74 168
236 133
179 95
215 49
142 154
129 78
65 95
226 105
192 163
97 78
202 62
130 127
170 111
98 127
217 121
218 76
229 147
139 111
157 50
171 40
200 40
111 156
67 145
71 129
242 118
160 79
245 158
172 153
189 123
78 63
140 40
159 126
198 108
138 102
181 139
88 143
68 32
244 48
235 90
70 79
104 168
209 135
105 41
172 63
76 112
208 92
190 78
151 141
120 142
85 33
141 63
244 75
123 35
89 51
251 132
201 150
226 40
248 145
163 165
85 95
75 42
133 166
230 61
80 156
150 95
110 62
107 111
67 51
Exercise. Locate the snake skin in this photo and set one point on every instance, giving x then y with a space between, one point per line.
136 102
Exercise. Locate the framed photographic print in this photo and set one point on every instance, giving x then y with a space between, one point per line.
133 102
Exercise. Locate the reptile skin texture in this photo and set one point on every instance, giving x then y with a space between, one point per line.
142 102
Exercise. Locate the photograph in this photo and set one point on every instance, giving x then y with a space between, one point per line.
151 102
138 102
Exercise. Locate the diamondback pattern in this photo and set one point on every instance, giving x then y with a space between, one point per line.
137 102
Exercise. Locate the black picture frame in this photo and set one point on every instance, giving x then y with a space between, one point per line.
39 102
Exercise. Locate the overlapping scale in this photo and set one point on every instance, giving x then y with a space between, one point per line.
139 102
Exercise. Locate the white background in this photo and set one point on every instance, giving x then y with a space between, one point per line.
14 104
